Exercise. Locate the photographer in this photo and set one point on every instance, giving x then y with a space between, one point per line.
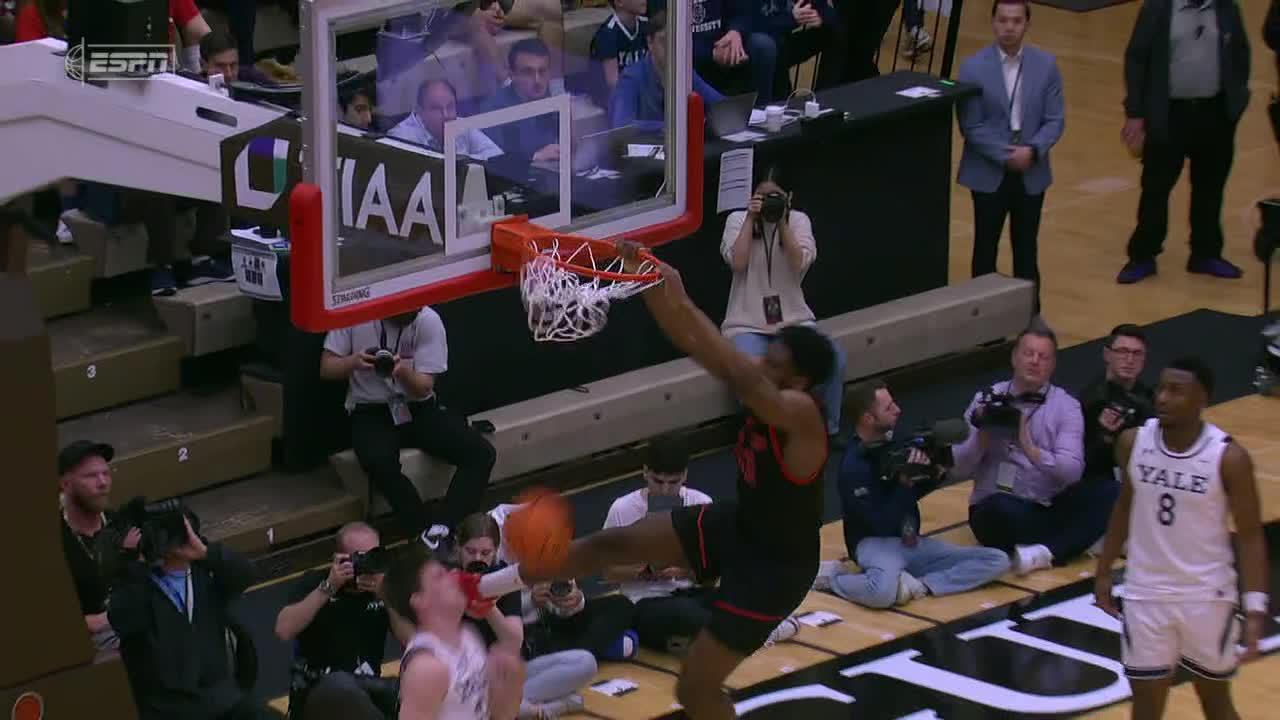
1116 401
339 619
769 247
879 496
171 612
391 366
552 679
1026 455
91 539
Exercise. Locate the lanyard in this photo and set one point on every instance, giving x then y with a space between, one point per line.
382 337
769 245
1013 94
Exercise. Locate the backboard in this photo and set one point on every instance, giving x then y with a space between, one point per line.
480 112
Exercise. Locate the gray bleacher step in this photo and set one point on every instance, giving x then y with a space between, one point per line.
61 278
110 356
209 318
260 513
178 444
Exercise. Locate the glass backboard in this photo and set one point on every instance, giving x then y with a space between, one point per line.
425 122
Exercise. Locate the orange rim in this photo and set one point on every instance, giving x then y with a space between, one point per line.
514 249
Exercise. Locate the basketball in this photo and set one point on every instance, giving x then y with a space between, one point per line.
539 533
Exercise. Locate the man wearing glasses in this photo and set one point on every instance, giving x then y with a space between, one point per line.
1115 401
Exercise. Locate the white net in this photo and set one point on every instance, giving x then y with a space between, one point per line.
564 306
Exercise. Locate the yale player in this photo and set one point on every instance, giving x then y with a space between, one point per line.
1184 481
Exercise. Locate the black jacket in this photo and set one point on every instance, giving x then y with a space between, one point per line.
872 504
180 669
1099 445
1146 64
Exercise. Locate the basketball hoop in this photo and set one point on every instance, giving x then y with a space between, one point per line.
567 282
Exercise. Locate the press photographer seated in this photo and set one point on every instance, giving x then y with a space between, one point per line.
171 613
1026 455
1115 401
880 485
338 620
95 542
391 367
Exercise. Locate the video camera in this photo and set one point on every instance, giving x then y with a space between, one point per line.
1000 410
161 524
934 442
1131 407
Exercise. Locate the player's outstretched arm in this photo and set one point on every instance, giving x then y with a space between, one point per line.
423 686
1118 528
1251 546
693 332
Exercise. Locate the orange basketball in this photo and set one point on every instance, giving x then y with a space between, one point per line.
539 533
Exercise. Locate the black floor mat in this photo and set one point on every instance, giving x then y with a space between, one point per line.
1080 6
1229 343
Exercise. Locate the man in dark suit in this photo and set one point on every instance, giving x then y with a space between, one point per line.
1008 131
1186 82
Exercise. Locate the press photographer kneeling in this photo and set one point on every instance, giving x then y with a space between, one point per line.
339 619
880 484
171 611
1115 401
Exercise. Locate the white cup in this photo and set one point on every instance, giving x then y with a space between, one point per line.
811 109
773 118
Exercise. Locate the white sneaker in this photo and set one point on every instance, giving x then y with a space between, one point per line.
1096 549
434 535
918 42
786 630
1029 558
827 570
909 588
567 705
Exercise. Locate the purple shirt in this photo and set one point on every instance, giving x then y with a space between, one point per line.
1056 428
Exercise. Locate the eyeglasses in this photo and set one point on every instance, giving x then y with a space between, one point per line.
664 480
1128 352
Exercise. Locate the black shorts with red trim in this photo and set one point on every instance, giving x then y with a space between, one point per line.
758 588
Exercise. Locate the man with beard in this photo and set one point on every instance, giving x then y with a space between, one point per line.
94 548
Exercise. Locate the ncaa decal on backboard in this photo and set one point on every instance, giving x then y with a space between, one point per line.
90 63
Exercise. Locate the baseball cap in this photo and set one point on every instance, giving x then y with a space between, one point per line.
76 453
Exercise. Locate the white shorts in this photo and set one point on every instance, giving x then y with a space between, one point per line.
1160 635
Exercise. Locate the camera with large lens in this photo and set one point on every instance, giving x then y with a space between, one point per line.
1000 410
370 562
1131 407
772 206
935 443
161 524
384 361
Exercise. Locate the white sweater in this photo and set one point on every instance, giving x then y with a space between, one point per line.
746 295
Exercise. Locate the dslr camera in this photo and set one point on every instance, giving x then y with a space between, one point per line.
1130 407
773 206
161 524
370 562
384 361
935 442
999 410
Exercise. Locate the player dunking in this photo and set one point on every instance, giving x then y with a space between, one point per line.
1183 480
764 547
446 672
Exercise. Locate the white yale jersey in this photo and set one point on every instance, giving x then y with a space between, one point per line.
1179 544
468 696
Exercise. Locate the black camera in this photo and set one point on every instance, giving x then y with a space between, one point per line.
370 562
561 588
935 443
477 567
1000 410
773 205
384 361
1131 408
161 524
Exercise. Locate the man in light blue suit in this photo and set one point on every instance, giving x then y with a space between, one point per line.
1008 132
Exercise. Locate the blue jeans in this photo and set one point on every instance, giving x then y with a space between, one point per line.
943 568
912 14
830 390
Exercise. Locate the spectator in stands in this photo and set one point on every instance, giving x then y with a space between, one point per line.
1027 496
38 19
1186 80
545 17
1008 131
670 609
769 247
357 107
92 540
917 39
171 613
219 55
559 617
1115 401
879 499
620 40
798 30
726 53
393 404
536 139
438 104
338 621
639 98
552 679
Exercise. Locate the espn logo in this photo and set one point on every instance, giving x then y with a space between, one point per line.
88 63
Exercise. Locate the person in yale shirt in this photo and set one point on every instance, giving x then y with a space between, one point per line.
640 98
620 41
1185 482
